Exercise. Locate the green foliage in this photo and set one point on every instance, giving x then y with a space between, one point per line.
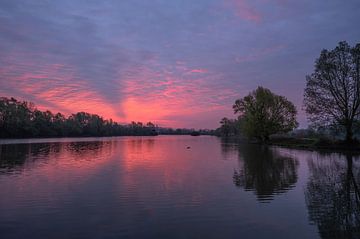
332 93
264 113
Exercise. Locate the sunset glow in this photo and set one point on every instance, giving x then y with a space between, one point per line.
178 64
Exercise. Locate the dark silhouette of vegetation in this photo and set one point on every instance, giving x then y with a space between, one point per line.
229 127
332 93
264 113
21 119
333 196
183 131
195 133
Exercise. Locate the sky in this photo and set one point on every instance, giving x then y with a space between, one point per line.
175 63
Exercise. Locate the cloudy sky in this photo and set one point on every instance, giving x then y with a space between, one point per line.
179 63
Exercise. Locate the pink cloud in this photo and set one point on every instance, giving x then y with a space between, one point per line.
198 71
54 87
172 97
245 10
169 95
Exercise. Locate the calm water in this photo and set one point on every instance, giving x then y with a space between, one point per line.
158 187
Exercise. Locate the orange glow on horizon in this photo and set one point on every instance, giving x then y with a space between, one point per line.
173 96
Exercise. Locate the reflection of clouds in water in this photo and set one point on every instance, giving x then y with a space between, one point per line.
125 183
333 196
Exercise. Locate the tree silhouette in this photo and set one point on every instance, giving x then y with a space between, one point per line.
332 93
229 127
265 113
20 119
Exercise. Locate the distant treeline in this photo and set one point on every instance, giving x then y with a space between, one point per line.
21 119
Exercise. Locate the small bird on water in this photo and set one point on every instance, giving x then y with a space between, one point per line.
188 147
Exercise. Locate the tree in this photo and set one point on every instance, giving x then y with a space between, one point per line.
43 123
332 93
229 127
265 113
15 118
225 126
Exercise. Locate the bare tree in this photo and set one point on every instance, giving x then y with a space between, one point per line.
332 93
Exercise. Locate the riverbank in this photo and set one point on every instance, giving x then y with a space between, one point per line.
303 143
315 144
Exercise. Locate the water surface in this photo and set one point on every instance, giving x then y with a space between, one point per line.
174 187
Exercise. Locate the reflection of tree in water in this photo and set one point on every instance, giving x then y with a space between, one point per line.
15 157
86 149
333 197
265 171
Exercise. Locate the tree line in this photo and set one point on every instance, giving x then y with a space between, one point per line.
331 101
21 119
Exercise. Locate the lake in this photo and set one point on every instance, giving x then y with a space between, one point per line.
174 187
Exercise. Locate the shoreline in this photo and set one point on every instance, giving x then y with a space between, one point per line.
7 141
331 149
310 144
315 144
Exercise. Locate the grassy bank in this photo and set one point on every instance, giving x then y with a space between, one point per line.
301 143
314 143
